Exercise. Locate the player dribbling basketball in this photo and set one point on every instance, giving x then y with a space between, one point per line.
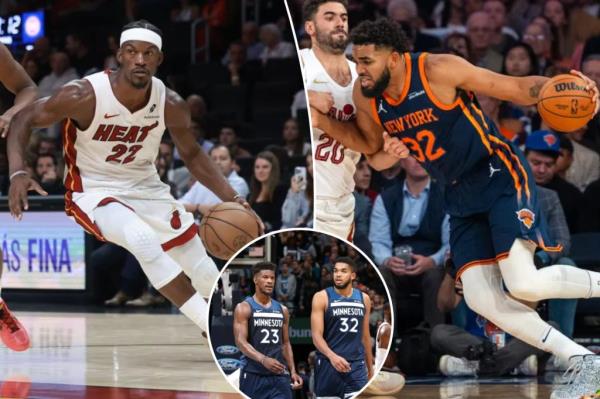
339 324
260 328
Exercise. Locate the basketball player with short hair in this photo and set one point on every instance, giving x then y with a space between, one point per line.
339 322
426 104
329 79
260 327
114 124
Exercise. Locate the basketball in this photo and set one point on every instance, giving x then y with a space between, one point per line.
228 227
564 103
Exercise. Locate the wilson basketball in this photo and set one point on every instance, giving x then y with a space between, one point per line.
227 228
564 103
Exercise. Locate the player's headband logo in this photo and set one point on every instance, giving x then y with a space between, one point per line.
141 34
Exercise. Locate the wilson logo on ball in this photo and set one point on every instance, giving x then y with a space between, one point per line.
568 86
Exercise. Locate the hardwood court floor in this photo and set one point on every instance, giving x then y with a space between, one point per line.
111 356
516 388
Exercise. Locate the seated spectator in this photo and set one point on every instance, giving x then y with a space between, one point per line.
479 31
542 150
199 198
236 64
591 220
185 11
580 171
502 36
363 203
61 73
228 136
249 39
40 54
560 311
406 14
590 136
46 145
481 348
47 175
162 167
178 176
458 44
293 139
82 59
285 287
296 207
274 47
411 213
266 195
539 37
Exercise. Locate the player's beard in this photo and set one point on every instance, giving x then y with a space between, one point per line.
342 286
328 43
379 86
138 83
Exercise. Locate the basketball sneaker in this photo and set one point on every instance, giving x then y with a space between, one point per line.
528 367
581 380
15 387
12 332
386 383
452 366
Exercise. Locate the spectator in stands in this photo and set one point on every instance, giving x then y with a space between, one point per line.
418 221
309 188
266 195
590 135
293 139
285 287
581 168
479 349
228 136
479 31
199 114
405 13
40 54
84 61
62 72
274 46
502 36
185 11
459 44
46 145
162 167
519 60
236 63
46 174
33 70
560 311
449 14
542 150
363 203
387 177
254 47
511 128
178 176
539 37
295 209
199 198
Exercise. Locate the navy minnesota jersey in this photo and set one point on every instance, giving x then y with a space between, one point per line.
344 320
455 143
265 334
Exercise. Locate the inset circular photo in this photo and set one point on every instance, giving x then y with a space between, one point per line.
300 314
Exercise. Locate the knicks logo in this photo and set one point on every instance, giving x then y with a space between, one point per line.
550 139
527 217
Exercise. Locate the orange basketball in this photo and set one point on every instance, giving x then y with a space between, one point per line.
564 103
228 227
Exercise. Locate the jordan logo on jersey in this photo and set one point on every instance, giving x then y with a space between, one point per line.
123 134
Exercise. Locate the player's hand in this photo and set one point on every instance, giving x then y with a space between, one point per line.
420 265
340 364
296 381
396 265
273 365
394 146
320 100
589 85
17 194
4 125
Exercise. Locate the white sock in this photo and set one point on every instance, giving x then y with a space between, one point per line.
196 309
561 346
380 355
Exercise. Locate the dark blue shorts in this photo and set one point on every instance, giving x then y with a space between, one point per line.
264 386
331 383
511 213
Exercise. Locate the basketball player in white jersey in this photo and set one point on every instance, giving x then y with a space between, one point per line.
115 121
329 79
15 79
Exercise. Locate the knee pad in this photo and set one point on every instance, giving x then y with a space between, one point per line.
142 241
197 265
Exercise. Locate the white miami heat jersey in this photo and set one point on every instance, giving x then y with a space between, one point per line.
117 151
334 165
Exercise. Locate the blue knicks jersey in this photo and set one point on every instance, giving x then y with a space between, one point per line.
265 333
344 320
455 143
